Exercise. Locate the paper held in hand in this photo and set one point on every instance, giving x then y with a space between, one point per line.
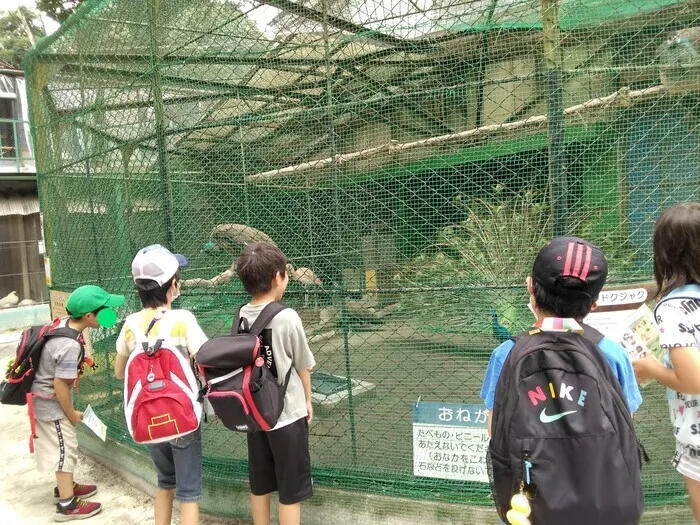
639 335
91 421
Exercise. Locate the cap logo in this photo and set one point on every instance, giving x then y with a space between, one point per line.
577 264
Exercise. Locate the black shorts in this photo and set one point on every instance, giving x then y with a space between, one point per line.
278 460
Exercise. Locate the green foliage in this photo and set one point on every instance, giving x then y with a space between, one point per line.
15 38
494 245
492 249
58 10
498 240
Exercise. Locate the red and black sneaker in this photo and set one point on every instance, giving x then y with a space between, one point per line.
77 510
79 491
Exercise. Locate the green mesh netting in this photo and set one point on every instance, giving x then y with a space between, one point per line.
399 150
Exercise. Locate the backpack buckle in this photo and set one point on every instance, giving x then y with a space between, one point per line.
151 350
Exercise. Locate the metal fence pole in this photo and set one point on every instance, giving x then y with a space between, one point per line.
557 152
156 83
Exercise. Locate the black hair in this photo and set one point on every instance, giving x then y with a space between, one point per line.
152 295
576 305
677 247
257 266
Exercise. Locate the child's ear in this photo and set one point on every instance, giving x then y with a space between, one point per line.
528 282
594 306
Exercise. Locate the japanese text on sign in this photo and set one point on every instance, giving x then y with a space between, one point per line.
450 441
620 297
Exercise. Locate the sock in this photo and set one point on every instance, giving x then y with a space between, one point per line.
65 503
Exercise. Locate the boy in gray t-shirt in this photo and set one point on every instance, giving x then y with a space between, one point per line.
55 440
278 459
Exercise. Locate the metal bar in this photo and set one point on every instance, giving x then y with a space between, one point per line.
481 75
555 110
344 25
16 144
288 91
168 219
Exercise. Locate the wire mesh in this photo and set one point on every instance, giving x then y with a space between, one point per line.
412 154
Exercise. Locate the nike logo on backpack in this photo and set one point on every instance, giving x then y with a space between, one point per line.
545 418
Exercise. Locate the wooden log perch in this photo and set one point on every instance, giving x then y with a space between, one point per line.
621 98
217 280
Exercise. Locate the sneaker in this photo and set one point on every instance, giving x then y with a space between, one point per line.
77 510
79 491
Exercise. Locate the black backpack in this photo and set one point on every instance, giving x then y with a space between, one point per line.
20 374
239 383
563 435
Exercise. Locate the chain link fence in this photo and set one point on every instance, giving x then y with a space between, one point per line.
409 156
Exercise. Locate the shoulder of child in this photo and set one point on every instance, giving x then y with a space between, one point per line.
671 306
289 314
612 348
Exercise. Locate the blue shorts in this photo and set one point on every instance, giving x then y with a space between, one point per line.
179 466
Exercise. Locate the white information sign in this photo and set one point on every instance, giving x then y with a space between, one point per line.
450 441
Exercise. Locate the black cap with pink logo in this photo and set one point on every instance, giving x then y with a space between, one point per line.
580 262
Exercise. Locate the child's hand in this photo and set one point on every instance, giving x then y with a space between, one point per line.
644 368
76 417
310 411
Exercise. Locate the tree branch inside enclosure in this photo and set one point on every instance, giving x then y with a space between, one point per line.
621 98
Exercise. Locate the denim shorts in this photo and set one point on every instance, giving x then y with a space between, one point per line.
179 466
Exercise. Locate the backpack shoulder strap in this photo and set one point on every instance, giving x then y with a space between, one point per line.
167 322
592 334
235 327
63 331
268 314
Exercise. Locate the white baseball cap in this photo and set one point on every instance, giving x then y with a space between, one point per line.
156 263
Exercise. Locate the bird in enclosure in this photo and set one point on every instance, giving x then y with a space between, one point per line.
679 60
231 239
9 300
500 332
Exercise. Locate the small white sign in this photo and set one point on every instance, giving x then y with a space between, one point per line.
608 323
450 441
622 297
91 421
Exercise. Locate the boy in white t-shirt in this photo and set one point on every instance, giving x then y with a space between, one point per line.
278 459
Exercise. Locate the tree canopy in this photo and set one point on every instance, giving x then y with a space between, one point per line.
19 30
59 10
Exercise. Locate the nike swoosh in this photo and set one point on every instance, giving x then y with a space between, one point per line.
550 419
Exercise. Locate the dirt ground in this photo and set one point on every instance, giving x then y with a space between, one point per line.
26 495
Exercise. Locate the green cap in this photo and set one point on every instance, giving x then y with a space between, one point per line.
90 298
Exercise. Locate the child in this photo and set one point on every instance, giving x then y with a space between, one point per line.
552 431
56 443
178 463
677 274
558 299
278 460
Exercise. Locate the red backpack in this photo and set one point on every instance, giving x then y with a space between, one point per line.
19 376
160 389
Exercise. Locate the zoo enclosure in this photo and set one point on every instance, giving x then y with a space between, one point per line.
414 155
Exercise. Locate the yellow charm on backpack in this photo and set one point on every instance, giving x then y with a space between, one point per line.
520 510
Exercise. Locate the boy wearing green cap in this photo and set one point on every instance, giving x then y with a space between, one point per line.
56 444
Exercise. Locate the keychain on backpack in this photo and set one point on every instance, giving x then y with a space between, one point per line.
520 509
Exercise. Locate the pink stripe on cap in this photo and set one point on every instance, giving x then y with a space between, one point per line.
587 264
579 260
567 264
